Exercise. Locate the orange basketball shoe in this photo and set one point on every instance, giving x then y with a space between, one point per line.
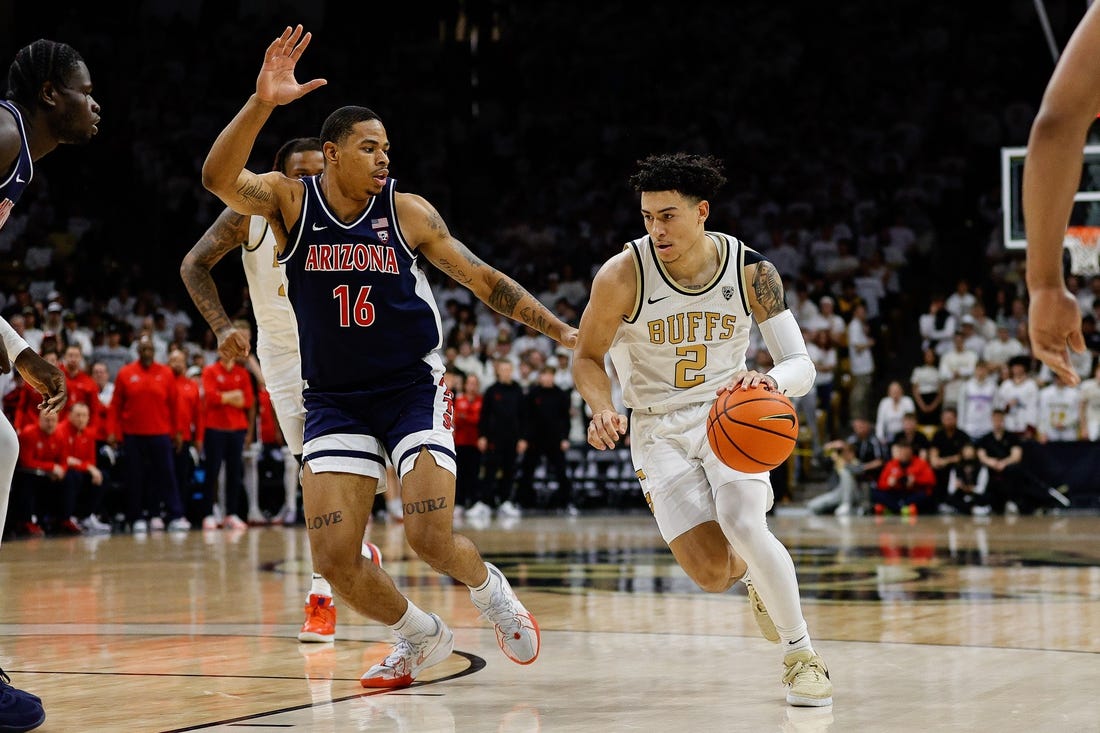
320 625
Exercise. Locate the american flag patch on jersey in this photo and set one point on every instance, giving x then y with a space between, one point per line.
379 223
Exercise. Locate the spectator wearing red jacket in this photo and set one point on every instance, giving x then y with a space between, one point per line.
190 419
79 384
145 412
41 492
906 482
83 479
227 398
467 414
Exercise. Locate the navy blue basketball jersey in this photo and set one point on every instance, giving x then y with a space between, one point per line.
15 181
366 314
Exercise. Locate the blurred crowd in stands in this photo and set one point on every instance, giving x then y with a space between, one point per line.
876 195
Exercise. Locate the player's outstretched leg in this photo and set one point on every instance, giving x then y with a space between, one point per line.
517 631
320 623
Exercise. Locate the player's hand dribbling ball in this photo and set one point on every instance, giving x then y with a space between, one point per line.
752 430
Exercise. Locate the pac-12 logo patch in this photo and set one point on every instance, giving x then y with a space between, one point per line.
727 291
383 236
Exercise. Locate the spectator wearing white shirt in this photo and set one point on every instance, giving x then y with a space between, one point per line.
926 383
961 301
861 364
937 325
956 366
976 400
1059 411
1018 396
823 354
984 326
1089 392
891 409
998 352
971 339
71 333
832 321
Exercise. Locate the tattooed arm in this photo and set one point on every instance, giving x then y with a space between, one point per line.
424 229
794 372
228 232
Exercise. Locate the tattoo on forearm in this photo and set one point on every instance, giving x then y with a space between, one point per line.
768 287
255 192
456 272
323 520
537 318
227 233
505 296
425 506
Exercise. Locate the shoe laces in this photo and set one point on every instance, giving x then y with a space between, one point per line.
757 601
316 608
813 667
501 612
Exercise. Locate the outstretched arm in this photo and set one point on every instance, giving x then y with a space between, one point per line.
426 232
223 173
1052 173
614 291
228 232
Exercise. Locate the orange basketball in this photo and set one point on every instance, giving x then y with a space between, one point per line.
752 430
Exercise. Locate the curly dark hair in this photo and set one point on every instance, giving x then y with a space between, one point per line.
696 176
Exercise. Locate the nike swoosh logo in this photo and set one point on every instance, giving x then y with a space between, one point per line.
797 640
651 301
317 228
784 416
19 180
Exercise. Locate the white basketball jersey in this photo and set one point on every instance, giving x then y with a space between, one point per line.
679 346
276 327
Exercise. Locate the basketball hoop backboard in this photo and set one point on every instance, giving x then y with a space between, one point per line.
1086 208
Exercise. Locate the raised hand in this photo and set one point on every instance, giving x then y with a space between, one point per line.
276 83
44 377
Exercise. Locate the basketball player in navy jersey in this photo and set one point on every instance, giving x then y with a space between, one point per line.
674 309
1052 174
369 335
276 343
48 102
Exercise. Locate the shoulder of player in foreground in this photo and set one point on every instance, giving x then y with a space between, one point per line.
10 141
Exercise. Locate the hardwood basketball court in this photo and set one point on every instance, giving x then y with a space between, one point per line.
935 624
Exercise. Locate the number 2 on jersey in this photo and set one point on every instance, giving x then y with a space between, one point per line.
361 312
696 362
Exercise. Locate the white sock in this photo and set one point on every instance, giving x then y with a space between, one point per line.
741 509
484 592
414 623
320 587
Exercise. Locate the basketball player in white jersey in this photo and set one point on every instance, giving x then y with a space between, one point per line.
1052 174
276 342
674 311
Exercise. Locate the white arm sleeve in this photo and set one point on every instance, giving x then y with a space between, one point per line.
793 372
13 342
